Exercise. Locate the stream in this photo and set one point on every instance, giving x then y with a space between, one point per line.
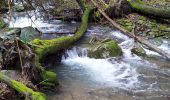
129 77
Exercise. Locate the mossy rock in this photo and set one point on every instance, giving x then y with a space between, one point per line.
50 78
105 50
138 50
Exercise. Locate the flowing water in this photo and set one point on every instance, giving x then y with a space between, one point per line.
126 78
123 78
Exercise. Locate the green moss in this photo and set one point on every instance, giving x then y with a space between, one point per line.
126 23
140 6
105 50
2 23
49 76
20 87
114 48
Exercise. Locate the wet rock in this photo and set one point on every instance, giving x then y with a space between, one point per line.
28 34
106 48
138 50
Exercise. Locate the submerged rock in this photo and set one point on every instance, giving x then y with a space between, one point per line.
105 49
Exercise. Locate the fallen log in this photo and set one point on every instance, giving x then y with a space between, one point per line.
131 35
21 88
141 7
47 47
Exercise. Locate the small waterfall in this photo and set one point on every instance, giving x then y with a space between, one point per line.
108 72
124 72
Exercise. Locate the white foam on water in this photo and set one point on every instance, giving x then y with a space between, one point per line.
118 34
126 45
109 73
165 46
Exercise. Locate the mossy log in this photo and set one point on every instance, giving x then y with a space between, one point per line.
21 88
141 7
46 47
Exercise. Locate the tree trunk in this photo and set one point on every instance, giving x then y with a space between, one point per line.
21 88
139 6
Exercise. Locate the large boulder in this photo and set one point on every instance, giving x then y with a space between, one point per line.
105 49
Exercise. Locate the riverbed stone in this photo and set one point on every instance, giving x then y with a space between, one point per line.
105 50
